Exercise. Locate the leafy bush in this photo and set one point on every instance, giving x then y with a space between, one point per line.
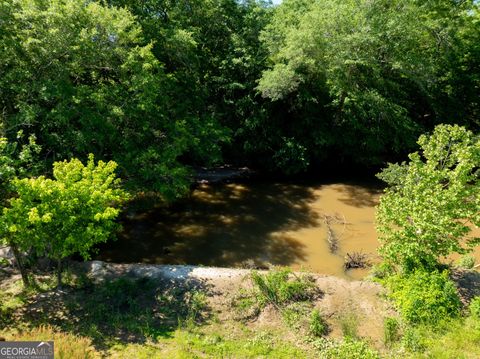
382 270
466 261
413 340
475 307
346 349
67 346
424 297
66 215
318 326
390 331
281 286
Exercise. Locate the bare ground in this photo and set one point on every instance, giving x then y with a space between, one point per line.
362 300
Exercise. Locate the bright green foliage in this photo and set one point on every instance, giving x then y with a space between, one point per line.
347 348
281 286
433 201
16 160
424 297
475 308
65 215
318 327
458 338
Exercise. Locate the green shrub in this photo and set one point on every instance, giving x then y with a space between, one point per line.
424 297
391 329
466 261
382 270
318 327
413 340
281 286
475 307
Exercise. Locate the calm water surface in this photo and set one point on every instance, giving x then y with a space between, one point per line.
262 223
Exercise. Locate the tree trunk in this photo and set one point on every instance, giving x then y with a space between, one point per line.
21 268
59 273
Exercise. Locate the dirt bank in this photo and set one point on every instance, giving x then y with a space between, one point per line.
341 298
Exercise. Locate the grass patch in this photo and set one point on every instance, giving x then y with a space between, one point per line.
67 346
281 286
391 331
185 344
111 312
348 348
135 310
349 325
457 338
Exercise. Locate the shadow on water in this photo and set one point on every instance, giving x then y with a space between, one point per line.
223 225
360 196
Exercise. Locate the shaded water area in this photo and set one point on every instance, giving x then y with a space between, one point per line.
302 225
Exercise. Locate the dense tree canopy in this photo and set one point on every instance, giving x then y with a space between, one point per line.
160 86
363 78
83 78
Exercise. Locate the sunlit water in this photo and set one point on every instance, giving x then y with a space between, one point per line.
239 225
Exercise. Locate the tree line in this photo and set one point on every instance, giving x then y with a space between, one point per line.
160 86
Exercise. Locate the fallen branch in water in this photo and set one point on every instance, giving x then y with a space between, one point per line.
356 260
332 238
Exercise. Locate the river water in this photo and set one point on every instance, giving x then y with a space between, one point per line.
302 225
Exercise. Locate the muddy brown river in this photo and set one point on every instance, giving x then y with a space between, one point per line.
240 225
309 226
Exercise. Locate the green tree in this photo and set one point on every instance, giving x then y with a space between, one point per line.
65 215
362 79
17 159
433 200
83 78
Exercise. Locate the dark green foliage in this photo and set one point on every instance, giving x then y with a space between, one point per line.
424 297
361 79
17 159
84 80
160 86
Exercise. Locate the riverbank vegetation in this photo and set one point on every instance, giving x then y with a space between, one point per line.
160 87
104 101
